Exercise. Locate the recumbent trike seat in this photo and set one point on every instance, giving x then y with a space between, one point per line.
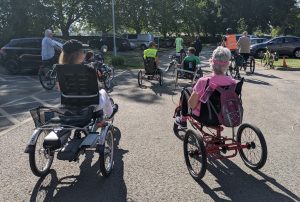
150 66
79 98
207 116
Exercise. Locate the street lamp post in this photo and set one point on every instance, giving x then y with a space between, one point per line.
114 26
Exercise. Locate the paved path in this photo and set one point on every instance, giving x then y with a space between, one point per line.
149 163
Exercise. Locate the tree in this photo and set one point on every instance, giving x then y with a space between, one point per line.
134 14
66 12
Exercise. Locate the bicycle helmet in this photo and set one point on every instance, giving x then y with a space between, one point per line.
229 31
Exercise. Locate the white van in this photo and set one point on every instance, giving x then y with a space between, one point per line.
140 40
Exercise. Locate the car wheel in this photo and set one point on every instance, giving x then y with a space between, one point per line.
12 67
143 47
260 53
297 53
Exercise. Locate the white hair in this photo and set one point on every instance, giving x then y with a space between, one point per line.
220 59
48 32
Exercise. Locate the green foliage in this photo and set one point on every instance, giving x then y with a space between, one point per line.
167 17
117 61
276 31
242 25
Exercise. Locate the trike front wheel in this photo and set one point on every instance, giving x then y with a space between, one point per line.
255 153
106 152
195 155
40 159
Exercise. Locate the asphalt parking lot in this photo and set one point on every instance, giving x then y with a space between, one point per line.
149 162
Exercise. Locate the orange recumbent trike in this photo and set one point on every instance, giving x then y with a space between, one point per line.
249 141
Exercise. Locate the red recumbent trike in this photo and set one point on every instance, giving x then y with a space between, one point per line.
208 142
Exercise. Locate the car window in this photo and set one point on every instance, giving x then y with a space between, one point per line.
290 40
36 43
277 41
132 36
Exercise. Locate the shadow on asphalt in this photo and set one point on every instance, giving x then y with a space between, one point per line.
238 185
257 81
270 76
89 185
292 69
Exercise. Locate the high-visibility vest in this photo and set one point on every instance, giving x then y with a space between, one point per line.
150 53
230 42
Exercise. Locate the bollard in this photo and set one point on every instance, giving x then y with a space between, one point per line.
284 64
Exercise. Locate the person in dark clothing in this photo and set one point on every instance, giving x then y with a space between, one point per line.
198 46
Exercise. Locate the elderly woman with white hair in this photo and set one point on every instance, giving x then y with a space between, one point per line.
219 63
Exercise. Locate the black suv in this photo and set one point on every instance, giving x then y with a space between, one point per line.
285 45
121 43
23 53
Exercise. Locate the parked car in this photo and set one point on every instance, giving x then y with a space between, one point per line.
121 43
141 40
257 40
132 46
285 45
164 42
24 53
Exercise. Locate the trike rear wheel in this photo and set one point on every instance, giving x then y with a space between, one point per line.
106 152
195 155
255 154
140 78
252 65
161 78
40 159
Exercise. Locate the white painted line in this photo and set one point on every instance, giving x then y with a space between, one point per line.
40 101
2 79
15 114
15 126
121 73
9 117
30 102
16 100
30 78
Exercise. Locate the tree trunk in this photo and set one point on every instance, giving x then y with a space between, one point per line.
65 32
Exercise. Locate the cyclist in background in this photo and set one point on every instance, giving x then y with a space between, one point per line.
244 46
231 43
179 47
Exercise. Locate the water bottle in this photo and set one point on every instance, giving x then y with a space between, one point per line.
206 95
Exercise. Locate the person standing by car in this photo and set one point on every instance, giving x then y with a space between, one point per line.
48 48
244 44
198 46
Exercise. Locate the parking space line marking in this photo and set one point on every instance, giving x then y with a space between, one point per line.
16 100
2 79
121 73
32 79
25 103
15 114
9 117
40 101
14 127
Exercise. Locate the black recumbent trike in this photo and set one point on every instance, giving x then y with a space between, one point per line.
75 127
152 72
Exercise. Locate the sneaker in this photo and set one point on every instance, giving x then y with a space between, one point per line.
115 110
181 124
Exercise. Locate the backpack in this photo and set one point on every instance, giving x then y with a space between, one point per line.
231 112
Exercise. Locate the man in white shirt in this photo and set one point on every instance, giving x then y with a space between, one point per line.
48 48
